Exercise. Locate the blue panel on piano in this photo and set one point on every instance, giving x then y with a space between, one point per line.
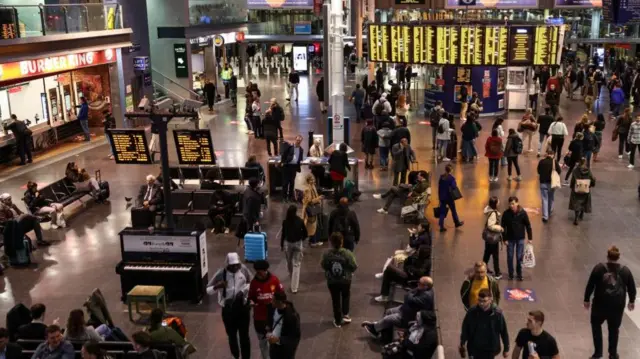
255 246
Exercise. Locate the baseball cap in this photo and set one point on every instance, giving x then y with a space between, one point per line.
233 258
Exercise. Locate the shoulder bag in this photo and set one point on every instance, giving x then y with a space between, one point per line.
455 193
582 185
489 236
314 209
555 177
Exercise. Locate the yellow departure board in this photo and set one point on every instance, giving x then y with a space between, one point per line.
520 46
447 42
471 45
545 50
495 45
129 146
194 147
401 41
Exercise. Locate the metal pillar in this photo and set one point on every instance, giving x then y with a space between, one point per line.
336 69
325 47
595 23
162 122
359 12
371 16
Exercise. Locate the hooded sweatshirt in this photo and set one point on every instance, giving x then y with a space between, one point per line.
237 283
261 292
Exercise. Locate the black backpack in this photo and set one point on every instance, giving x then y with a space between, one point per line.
337 264
440 128
614 287
517 145
379 107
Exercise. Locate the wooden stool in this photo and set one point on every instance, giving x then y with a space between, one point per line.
146 294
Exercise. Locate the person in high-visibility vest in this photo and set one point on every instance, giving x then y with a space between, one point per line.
227 72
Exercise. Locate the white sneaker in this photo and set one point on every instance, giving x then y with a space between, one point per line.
620 156
446 159
628 153
226 230
379 275
377 196
54 226
509 178
381 299
519 178
630 166
382 211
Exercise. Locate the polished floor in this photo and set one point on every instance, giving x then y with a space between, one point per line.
89 249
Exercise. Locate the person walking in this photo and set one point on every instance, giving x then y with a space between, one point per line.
338 167
226 74
546 166
590 92
402 110
403 157
557 131
534 337
497 125
262 289
581 183
515 222
24 139
534 89
476 281
589 142
209 90
292 237
492 246
544 122
320 94
469 133
617 99
447 184
83 118
357 98
345 221
434 121
233 90
284 322
384 144
311 200
493 151
292 156
484 344
599 126
609 283
634 140
443 136
256 114
552 99
293 82
575 155
278 114
512 150
339 264
621 132
270 131
370 141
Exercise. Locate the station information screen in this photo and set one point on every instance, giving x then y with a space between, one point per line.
546 45
496 42
401 41
521 45
129 146
472 45
194 147
424 45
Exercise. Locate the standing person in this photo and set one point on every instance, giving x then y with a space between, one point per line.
434 120
403 156
402 110
469 133
617 99
590 91
294 81
232 285
599 126
317 169
542 75
408 75
634 140
533 95
581 183
339 264
576 153
609 283
536 338
552 99
270 131
369 138
580 80
284 322
497 125
338 167
345 221
320 93
262 288
384 142
493 151
233 89
357 98
484 344
557 131
446 184
589 143
546 166
256 114
292 237
209 90
443 136
24 138
311 198
372 92
515 222
292 156
621 131
380 80
477 281
108 122
492 224
226 74
463 97
528 126
83 118
401 131
278 114
544 122
248 109
512 150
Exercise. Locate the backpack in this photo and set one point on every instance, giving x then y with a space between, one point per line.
434 117
441 128
614 288
176 324
495 147
378 108
516 145
337 264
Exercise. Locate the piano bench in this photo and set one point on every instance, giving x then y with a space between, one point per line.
146 294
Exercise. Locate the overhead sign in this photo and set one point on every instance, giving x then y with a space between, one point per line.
300 58
578 3
547 46
141 63
43 66
501 4
411 2
302 28
520 49
180 60
279 4
129 146
621 12
194 147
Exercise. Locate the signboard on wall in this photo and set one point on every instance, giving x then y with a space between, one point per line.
194 147
578 3
501 4
279 4
411 2
300 58
621 12
129 146
302 28
180 60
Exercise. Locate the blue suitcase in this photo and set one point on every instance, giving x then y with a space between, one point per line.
255 246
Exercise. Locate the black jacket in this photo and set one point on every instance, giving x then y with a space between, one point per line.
577 150
270 126
19 129
426 346
515 225
293 232
156 195
551 98
287 155
320 90
400 133
545 122
294 78
278 113
290 333
596 286
481 331
251 204
34 203
418 264
545 166
414 301
344 217
13 351
369 138
33 331
222 200
339 162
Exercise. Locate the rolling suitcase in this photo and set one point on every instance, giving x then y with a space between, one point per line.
22 256
452 148
255 246
105 192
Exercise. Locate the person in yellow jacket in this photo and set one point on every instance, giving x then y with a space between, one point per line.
227 72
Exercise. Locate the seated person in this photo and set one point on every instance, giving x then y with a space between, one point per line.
55 346
252 201
40 206
253 163
25 222
415 266
405 191
81 179
8 350
77 328
164 334
422 339
148 202
36 330
417 237
91 350
222 207
159 181
420 298
142 344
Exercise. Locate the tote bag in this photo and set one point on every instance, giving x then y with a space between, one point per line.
529 258
555 177
582 185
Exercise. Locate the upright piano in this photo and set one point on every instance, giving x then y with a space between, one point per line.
175 259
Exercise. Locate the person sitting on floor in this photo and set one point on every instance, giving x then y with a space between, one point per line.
402 190
40 206
164 334
221 209
420 298
415 266
25 222
418 236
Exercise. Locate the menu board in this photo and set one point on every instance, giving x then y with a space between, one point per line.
520 49
129 146
194 147
546 45
471 45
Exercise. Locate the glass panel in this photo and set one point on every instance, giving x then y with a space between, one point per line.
25 99
54 18
217 11
27 20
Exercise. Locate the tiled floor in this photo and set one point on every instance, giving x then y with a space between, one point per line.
89 249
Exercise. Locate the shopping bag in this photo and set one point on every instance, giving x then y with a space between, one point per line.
529 258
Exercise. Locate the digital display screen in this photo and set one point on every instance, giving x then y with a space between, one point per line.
401 43
194 147
487 4
578 3
472 45
521 43
129 146
424 40
300 58
546 45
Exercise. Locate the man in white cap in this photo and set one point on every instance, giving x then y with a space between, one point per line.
26 222
232 284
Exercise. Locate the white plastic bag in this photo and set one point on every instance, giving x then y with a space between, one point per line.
529 258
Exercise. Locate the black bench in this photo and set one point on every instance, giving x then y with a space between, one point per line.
115 349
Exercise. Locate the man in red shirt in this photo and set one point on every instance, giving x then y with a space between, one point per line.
261 290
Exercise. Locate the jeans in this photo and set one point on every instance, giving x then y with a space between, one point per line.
392 194
340 294
313 239
358 107
622 143
587 156
542 138
615 108
392 275
547 193
392 318
288 181
513 161
247 121
270 141
452 206
613 317
399 177
293 88
533 101
492 250
256 123
85 128
518 246
494 165
236 318
468 151
293 254
338 190
261 332
442 147
632 156
384 156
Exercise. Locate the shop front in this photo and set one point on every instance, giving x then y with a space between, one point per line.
210 53
45 94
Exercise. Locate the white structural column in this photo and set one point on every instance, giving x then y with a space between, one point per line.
336 70
371 15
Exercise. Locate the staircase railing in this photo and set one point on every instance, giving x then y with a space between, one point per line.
172 86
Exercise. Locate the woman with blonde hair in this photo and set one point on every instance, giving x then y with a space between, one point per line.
402 109
582 125
311 200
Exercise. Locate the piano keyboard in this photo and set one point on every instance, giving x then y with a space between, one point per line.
158 268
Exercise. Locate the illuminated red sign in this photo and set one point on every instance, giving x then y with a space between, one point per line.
239 36
37 67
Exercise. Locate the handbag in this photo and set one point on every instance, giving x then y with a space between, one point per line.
314 209
582 185
555 177
438 210
489 236
455 193
529 258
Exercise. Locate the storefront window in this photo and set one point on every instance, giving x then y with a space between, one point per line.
25 101
4 106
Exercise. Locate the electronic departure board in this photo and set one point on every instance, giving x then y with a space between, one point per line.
129 146
472 45
521 44
194 147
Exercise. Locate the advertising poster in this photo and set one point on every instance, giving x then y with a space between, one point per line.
520 295
504 4
579 3
300 58
486 84
279 4
502 80
456 92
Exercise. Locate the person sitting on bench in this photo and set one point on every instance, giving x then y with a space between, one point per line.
26 222
221 209
418 236
401 190
415 266
40 206
253 163
148 202
82 180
